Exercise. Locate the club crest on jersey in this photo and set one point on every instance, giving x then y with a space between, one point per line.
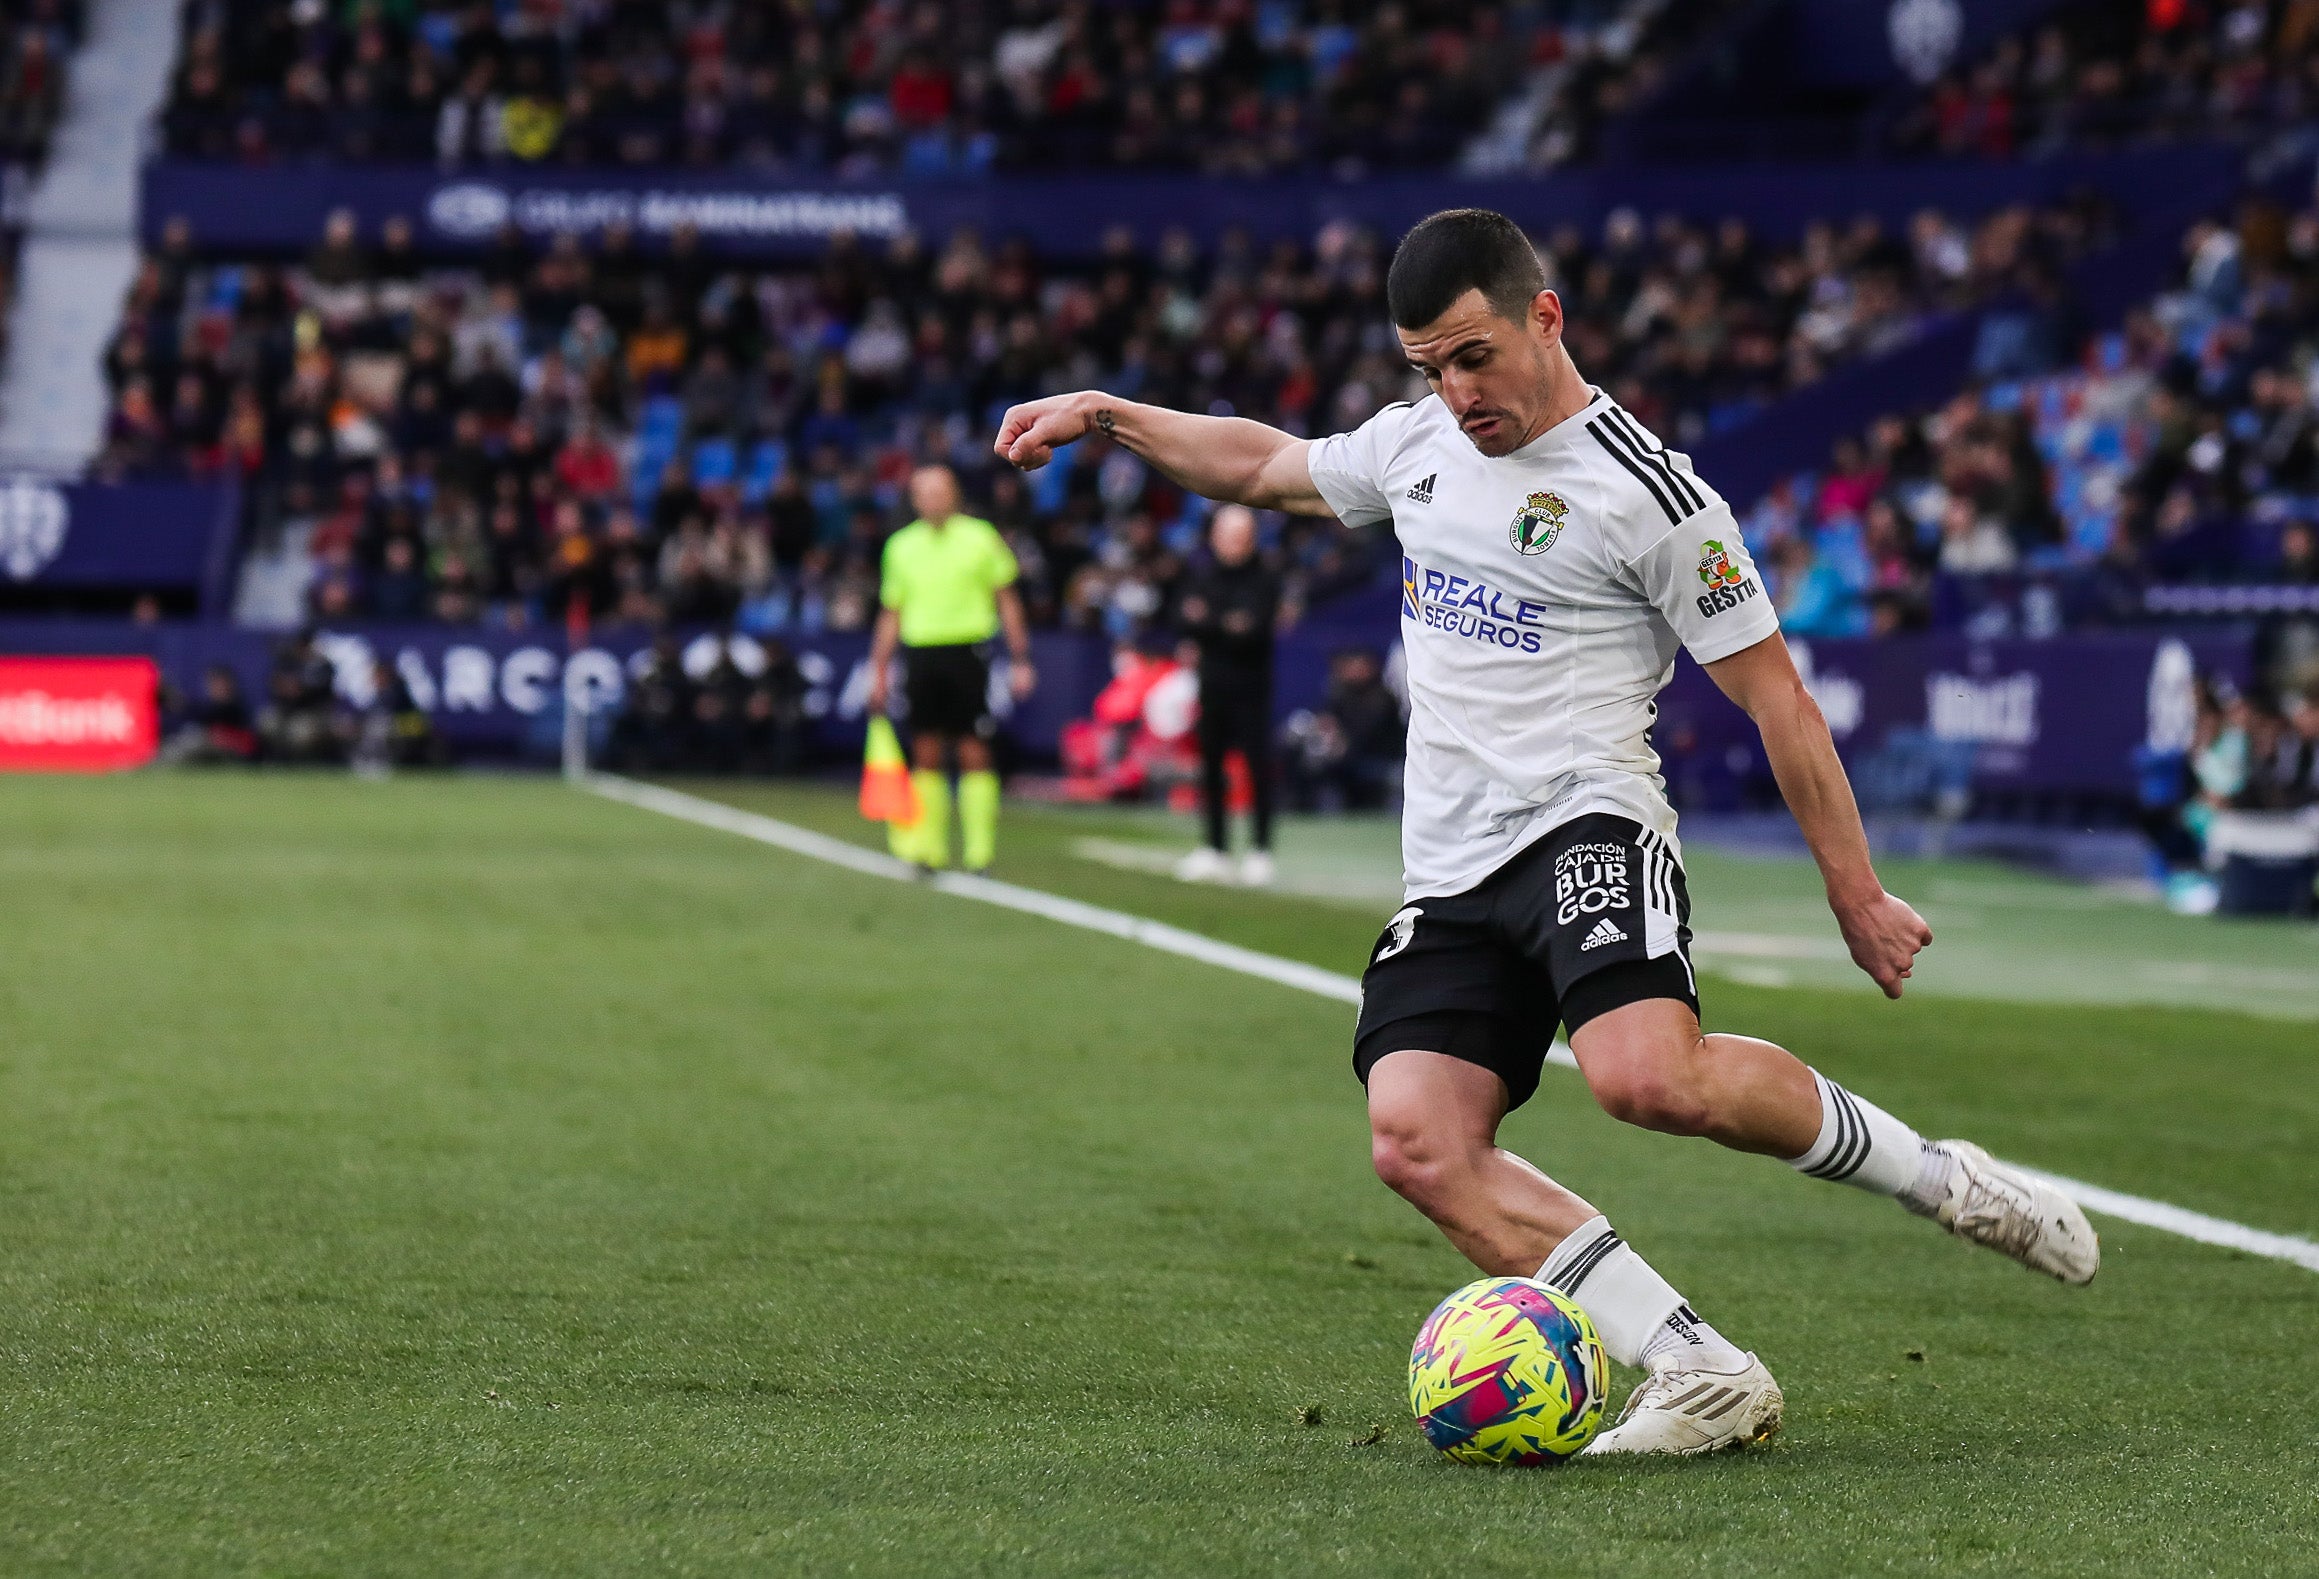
1538 523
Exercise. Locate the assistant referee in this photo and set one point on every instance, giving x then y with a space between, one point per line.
948 587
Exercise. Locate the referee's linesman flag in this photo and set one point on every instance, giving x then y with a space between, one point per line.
887 794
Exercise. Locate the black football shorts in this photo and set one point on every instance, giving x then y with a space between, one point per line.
1592 917
948 689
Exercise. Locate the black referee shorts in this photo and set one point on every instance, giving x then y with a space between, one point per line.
948 690
1592 917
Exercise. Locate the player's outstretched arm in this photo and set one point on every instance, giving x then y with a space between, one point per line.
1229 459
1882 931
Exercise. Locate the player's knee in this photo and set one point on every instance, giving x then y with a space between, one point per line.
1418 1161
1652 1090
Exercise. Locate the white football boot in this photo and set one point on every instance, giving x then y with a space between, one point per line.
2003 1208
1257 870
1689 1409
1204 866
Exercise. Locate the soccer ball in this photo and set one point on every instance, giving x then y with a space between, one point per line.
1508 1371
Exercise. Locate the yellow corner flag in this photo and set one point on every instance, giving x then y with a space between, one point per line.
887 795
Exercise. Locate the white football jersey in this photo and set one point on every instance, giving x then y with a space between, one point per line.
1543 595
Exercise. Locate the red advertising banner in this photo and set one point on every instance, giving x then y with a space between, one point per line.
77 715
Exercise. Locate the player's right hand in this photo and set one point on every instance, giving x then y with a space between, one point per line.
875 699
1885 935
1034 430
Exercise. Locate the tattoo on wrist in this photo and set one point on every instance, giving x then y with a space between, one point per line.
1103 420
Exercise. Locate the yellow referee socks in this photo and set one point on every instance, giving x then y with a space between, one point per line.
931 844
978 818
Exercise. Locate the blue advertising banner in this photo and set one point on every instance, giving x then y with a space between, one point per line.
2056 717
280 209
498 689
496 693
142 536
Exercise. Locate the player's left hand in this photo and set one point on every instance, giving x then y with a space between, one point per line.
1884 935
1022 679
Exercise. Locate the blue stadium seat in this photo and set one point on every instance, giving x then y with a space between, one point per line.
652 457
713 462
662 416
768 459
1050 482
1844 547
2089 528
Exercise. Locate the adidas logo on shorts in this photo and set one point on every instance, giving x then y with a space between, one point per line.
1603 933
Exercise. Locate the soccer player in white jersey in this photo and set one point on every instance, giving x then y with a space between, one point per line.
1554 555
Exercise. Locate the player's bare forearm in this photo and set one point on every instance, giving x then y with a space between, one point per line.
1811 778
1229 459
1882 931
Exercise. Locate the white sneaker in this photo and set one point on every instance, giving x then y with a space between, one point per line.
1257 870
1204 866
2003 1208
1690 1409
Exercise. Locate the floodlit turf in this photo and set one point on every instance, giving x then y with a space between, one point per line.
470 1176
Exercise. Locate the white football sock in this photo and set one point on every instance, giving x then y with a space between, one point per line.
1640 1317
1684 1340
1862 1145
1933 1176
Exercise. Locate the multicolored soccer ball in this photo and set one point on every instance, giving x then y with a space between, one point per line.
1507 1371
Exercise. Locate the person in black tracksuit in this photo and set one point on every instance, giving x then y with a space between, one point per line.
1231 608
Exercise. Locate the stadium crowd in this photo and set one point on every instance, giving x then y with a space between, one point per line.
854 88
2104 74
658 433
306 715
2182 448
2251 753
37 38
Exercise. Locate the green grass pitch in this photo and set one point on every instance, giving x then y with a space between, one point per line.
472 1176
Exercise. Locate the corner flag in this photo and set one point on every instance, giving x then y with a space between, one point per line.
887 794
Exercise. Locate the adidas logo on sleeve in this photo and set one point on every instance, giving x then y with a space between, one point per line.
1604 932
1423 492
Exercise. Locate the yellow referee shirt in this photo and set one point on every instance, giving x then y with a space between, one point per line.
943 581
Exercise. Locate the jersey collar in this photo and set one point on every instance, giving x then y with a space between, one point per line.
1563 432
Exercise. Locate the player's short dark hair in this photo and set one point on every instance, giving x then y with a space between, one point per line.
1459 250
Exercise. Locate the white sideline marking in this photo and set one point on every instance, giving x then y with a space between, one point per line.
1309 978
1767 945
1093 918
